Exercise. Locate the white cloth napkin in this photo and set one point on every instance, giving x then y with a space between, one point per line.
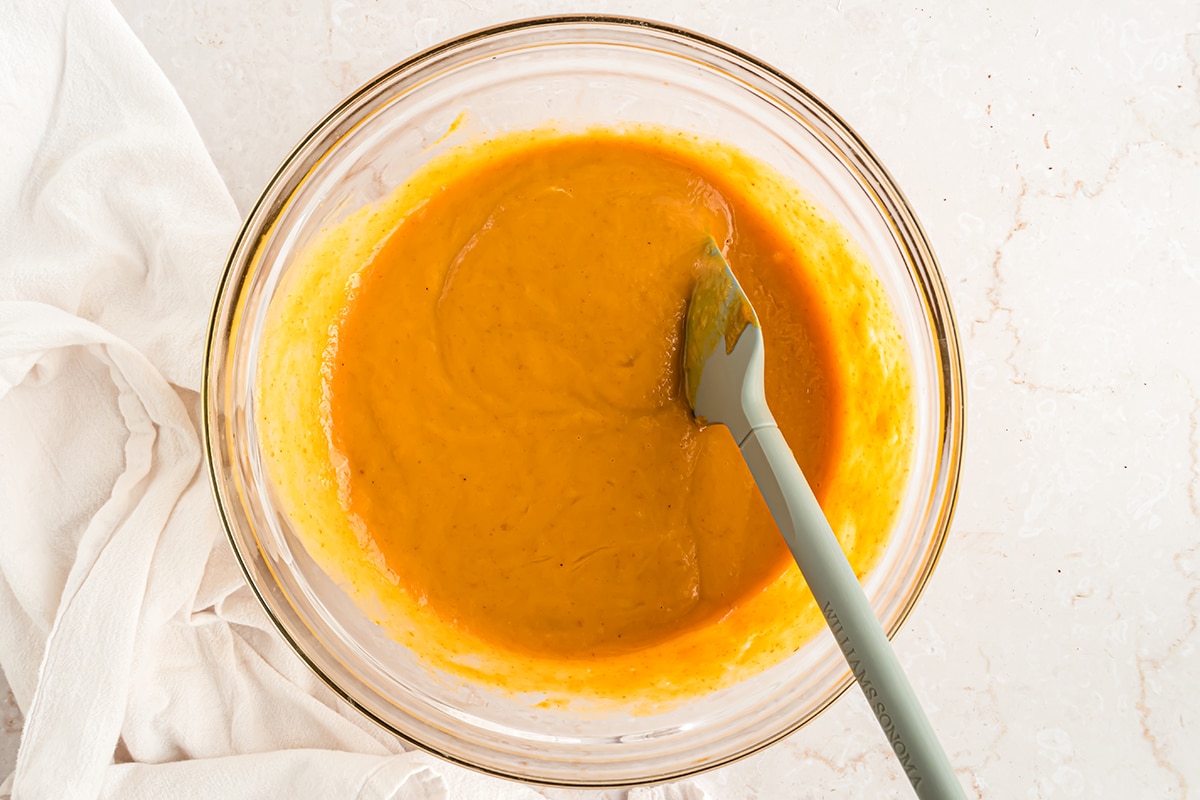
143 665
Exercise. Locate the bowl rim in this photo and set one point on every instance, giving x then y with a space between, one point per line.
872 176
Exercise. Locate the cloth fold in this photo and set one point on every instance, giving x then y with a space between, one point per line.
142 663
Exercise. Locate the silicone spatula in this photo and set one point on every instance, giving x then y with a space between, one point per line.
723 371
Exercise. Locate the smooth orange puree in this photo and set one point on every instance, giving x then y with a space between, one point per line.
470 396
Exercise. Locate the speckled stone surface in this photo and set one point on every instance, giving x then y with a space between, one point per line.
1053 153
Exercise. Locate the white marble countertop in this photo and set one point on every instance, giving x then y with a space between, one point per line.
1053 153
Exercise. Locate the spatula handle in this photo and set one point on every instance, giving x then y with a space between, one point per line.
849 615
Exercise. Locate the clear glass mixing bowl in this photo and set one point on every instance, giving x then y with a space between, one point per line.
579 71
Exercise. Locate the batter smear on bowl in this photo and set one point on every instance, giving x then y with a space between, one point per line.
470 403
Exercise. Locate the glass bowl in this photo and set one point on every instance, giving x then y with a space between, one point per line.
581 71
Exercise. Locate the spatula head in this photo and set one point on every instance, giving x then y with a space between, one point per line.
722 349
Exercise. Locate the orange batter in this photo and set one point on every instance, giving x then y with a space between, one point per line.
495 450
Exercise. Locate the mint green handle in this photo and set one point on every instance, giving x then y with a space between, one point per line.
850 617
